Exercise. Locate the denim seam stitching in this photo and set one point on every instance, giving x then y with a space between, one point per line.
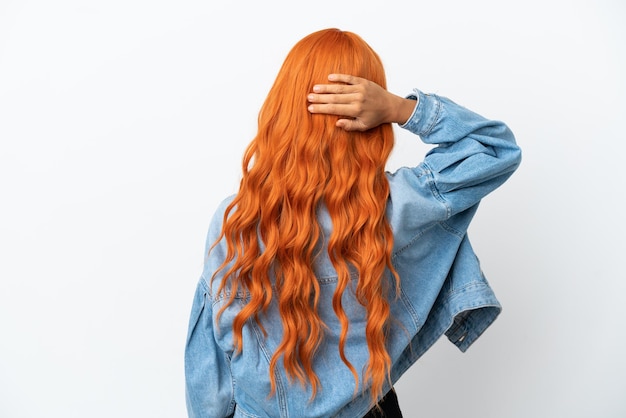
432 183
436 118
409 307
280 388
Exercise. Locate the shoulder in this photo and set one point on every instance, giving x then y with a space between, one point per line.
218 214
215 228
223 205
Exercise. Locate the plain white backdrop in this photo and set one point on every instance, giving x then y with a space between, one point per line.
122 125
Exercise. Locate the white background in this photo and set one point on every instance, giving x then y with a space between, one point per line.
122 125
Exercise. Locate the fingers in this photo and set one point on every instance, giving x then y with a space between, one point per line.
358 100
338 99
335 98
334 109
352 84
345 78
333 88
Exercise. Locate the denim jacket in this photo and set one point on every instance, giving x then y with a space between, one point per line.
442 288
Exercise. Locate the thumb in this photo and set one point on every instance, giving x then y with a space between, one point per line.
351 125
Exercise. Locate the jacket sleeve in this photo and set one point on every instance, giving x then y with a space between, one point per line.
209 387
472 157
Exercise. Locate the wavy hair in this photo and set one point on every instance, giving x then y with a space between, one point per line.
297 162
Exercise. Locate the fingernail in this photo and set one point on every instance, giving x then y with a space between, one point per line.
310 108
310 97
332 76
316 88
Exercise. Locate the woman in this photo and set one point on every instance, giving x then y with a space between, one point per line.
326 278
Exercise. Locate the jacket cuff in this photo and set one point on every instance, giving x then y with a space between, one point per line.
425 114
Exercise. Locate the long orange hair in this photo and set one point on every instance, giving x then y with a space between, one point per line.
297 162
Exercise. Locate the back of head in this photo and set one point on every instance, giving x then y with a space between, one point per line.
297 162
284 121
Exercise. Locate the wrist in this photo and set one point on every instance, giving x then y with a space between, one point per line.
404 109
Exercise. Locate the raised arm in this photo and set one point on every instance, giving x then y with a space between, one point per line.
472 156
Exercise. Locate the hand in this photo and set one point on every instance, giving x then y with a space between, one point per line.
363 103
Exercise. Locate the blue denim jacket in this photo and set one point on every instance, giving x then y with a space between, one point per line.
443 290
